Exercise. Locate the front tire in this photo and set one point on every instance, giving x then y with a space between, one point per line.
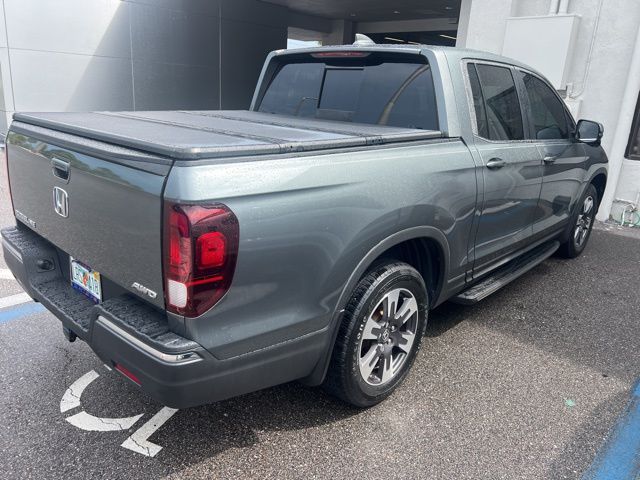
380 335
582 223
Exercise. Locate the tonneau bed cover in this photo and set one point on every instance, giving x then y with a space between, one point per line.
189 135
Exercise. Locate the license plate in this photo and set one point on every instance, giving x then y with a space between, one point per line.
86 280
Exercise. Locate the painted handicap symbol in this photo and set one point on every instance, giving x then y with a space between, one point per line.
137 442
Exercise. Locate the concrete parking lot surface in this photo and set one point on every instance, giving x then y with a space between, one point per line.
527 384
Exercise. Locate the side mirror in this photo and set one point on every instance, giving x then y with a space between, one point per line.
589 132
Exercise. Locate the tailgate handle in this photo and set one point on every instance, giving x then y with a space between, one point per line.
60 168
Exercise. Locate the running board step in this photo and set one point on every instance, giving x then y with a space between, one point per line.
506 274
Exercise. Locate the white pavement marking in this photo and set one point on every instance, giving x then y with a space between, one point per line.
71 398
138 442
16 299
5 274
88 422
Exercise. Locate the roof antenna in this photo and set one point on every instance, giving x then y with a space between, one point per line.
363 40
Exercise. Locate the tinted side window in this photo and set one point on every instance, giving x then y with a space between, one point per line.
547 113
478 101
502 107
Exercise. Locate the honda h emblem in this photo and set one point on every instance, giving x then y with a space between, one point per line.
60 202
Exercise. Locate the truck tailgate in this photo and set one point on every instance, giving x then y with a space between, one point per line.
112 218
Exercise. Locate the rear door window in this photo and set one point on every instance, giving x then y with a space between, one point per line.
498 114
478 102
383 89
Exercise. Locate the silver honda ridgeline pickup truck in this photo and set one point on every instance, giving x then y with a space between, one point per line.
206 254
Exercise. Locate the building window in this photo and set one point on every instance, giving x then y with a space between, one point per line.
633 147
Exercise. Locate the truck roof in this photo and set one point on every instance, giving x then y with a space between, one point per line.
456 53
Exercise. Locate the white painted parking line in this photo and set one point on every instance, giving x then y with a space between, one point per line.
5 274
138 442
16 299
86 421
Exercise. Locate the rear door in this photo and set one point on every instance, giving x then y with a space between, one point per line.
562 157
510 164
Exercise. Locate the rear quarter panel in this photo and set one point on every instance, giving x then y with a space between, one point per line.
306 222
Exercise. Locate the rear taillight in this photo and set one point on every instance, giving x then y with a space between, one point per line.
200 250
5 158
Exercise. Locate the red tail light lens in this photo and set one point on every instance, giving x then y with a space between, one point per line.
201 246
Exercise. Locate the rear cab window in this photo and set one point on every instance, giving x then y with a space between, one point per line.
379 88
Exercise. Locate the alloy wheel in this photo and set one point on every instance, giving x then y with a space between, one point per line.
585 219
388 336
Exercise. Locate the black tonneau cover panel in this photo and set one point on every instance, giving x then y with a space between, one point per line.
214 134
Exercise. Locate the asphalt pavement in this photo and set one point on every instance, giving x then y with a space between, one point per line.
527 384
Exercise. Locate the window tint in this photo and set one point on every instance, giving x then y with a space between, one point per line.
547 113
294 90
501 105
341 89
478 101
375 90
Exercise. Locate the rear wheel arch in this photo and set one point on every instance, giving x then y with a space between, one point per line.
421 247
402 246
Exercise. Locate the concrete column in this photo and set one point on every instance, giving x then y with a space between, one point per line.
623 127
342 33
482 24
463 23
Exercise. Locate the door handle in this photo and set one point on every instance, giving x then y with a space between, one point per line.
60 168
549 159
496 163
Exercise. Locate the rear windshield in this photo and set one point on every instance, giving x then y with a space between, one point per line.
374 88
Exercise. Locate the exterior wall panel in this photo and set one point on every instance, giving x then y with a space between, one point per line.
50 81
166 86
170 36
245 47
82 55
88 27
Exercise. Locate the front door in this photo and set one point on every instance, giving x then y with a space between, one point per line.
563 158
510 164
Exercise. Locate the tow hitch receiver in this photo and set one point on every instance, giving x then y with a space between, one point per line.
69 335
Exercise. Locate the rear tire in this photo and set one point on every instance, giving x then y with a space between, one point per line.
581 224
380 335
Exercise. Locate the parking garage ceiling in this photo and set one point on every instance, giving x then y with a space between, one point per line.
374 10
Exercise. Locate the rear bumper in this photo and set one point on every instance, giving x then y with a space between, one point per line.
175 371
